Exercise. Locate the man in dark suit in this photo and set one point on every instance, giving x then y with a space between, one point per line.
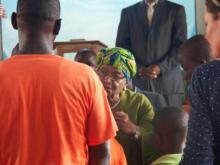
153 30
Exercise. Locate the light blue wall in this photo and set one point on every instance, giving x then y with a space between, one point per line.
190 15
88 19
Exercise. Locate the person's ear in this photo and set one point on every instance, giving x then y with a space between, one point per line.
57 27
14 20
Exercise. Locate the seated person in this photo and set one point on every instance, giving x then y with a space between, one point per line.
169 135
133 112
86 56
192 53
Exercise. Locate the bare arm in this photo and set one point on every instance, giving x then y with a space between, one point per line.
100 154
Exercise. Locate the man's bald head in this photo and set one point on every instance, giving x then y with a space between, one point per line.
34 13
38 22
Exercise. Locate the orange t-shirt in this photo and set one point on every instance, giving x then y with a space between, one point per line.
117 154
51 109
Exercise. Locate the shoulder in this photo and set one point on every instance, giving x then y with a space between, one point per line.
206 79
77 68
79 74
132 7
135 97
173 5
208 71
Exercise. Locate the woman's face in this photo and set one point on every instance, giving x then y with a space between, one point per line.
213 32
113 80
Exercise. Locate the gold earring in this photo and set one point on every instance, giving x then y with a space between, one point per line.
125 88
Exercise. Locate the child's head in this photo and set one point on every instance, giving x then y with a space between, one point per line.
194 52
170 129
86 56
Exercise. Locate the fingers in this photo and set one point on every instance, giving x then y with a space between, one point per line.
121 117
147 74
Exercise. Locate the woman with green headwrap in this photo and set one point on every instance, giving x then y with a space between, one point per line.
132 111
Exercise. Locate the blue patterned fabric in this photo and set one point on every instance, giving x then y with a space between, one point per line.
203 141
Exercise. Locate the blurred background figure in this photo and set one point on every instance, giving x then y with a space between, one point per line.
86 56
193 53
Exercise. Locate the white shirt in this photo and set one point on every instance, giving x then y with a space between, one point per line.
150 10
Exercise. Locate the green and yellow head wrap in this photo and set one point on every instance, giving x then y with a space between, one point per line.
119 58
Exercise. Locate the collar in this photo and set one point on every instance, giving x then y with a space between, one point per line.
156 1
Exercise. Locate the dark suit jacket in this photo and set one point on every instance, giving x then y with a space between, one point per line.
157 44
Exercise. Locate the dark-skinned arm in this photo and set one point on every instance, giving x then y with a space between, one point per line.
100 154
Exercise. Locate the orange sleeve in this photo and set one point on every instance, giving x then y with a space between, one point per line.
101 125
117 153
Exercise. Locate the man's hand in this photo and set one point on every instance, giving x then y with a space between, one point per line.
154 69
2 12
124 123
149 73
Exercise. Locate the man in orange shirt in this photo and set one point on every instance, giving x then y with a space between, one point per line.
50 114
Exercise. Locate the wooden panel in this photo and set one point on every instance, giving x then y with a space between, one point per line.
72 46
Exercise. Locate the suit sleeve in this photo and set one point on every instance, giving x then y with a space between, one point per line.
179 34
123 34
199 146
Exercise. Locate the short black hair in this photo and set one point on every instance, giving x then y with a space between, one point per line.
196 49
36 12
85 52
173 121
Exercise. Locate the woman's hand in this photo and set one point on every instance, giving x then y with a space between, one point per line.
125 125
